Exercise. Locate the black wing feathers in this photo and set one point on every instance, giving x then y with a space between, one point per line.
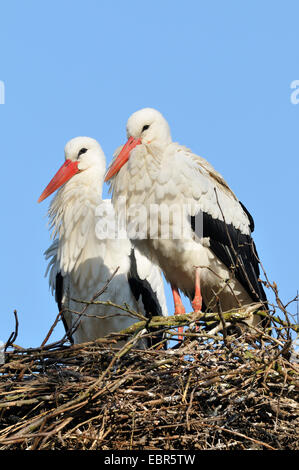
236 250
141 287
58 298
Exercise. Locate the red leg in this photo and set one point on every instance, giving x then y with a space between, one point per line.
197 301
179 308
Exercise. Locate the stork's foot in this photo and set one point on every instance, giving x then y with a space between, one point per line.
197 303
180 310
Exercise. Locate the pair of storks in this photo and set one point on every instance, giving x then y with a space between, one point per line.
180 216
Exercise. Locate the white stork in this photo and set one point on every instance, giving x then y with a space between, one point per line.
213 260
82 259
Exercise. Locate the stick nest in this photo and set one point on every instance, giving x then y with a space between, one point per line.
216 391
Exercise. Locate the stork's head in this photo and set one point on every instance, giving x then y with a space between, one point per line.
82 154
149 126
146 126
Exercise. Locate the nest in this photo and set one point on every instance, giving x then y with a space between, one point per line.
217 390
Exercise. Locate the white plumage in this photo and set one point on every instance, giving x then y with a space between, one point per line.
86 252
217 256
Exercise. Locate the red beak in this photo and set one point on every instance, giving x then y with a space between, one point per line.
65 172
123 157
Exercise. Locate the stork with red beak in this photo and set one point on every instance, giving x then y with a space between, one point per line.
214 264
82 261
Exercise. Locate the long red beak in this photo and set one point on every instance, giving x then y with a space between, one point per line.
123 157
65 172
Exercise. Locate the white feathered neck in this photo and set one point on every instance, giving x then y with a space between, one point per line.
72 218
81 254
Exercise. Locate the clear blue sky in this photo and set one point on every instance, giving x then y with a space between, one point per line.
220 72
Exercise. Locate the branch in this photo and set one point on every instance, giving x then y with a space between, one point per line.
14 334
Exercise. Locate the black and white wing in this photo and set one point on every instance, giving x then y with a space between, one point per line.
237 252
147 285
227 225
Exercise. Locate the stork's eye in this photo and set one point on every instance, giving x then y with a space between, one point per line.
145 127
81 151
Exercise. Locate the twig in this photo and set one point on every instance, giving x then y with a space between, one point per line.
14 334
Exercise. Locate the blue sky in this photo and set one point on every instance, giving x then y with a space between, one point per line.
219 71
